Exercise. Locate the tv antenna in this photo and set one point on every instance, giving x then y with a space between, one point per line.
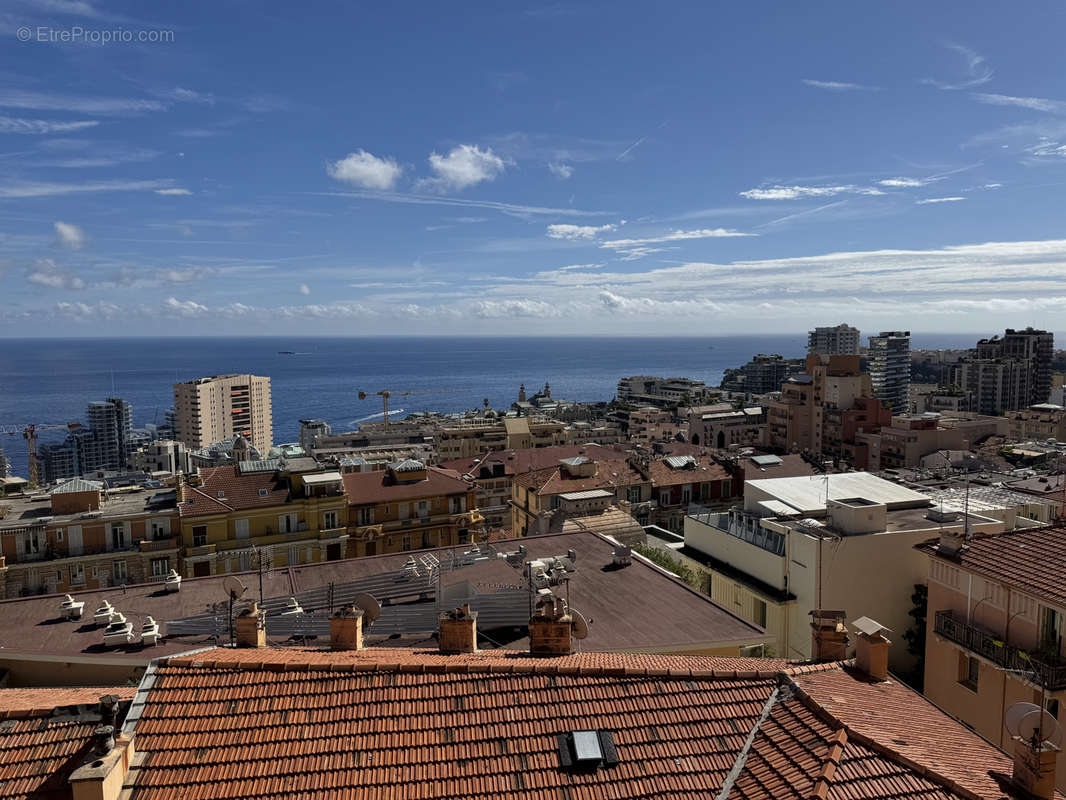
234 590
371 607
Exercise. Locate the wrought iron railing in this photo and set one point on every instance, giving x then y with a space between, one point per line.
1049 670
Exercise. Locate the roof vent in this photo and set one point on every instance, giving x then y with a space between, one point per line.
587 750
622 556
263 492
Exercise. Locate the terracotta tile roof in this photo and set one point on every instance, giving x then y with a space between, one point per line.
662 474
1032 561
24 702
45 734
414 724
609 474
377 486
518 462
238 492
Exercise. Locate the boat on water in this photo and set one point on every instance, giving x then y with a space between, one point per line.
286 352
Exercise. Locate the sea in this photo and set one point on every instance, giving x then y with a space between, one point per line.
51 381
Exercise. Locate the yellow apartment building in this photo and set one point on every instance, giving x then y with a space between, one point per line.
995 628
409 506
278 513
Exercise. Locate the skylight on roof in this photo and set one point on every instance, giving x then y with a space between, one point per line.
587 750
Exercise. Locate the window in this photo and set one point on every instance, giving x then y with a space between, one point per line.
240 528
120 571
294 556
403 510
969 671
160 567
423 508
59 534
1050 630
287 523
77 574
160 528
119 538
263 492
1052 706
199 536
329 520
244 561
406 542
32 543
366 516
759 612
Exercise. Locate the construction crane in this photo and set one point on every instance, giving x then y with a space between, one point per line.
385 395
29 433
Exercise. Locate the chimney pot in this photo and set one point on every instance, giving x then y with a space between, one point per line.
346 629
457 630
871 648
1034 767
250 627
829 637
103 739
108 709
550 628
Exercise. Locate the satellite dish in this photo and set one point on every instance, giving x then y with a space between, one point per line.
1028 721
371 607
234 588
579 628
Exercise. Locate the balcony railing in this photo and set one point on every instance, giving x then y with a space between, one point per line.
1047 670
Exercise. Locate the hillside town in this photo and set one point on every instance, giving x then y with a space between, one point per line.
866 528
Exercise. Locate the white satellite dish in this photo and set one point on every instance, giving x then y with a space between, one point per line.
371 607
234 588
1030 722
579 628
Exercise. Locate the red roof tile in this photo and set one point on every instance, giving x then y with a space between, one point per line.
239 491
1031 560
377 486
23 702
415 724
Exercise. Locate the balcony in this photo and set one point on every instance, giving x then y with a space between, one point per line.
1049 670
159 543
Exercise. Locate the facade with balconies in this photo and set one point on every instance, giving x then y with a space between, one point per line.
80 536
994 627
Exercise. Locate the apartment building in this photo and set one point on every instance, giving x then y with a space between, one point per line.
1038 422
662 392
410 506
836 340
162 455
270 513
723 426
105 443
909 439
80 536
466 438
1007 373
890 369
209 410
764 373
787 549
995 628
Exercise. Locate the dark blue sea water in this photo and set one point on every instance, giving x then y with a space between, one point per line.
52 380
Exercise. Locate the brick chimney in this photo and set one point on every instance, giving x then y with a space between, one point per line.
104 772
346 629
1034 767
951 542
549 628
457 630
829 637
250 627
871 648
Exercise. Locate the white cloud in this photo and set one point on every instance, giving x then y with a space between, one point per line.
1047 148
45 272
43 189
70 235
511 209
977 70
187 96
173 192
185 308
367 170
183 274
41 101
900 183
1031 103
581 266
305 289
797 192
464 166
928 200
577 232
676 236
495 309
838 86
42 126
560 170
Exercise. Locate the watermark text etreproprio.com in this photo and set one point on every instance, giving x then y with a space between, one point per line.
76 34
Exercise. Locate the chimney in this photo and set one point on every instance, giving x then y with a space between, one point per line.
457 630
346 629
871 648
549 627
1034 767
103 775
250 627
951 542
829 637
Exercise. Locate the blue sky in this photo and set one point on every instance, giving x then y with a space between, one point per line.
699 168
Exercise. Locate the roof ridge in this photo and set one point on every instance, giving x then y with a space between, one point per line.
266 664
882 750
824 779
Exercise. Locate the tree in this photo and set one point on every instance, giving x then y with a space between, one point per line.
915 635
